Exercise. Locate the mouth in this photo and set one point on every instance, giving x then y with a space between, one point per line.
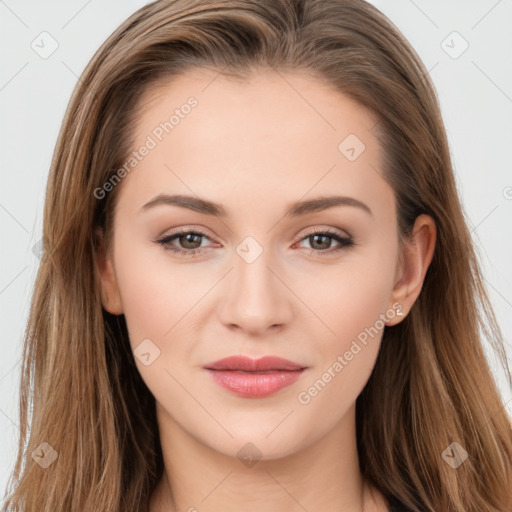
254 378
253 373
246 364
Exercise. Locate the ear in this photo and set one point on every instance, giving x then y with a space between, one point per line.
416 255
110 296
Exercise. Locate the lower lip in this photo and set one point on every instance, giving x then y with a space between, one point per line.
255 385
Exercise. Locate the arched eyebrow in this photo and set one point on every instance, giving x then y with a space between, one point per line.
323 203
217 210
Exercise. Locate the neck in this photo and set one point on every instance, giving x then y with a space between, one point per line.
324 475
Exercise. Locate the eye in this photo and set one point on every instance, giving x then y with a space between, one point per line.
321 241
190 240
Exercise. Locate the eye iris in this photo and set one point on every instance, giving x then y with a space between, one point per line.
326 243
188 240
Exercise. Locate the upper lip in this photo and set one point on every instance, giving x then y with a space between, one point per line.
247 364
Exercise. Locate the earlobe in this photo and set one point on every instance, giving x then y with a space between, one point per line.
110 296
415 258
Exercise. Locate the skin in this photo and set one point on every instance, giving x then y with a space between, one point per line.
255 147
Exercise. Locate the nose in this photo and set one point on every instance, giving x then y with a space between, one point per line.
255 297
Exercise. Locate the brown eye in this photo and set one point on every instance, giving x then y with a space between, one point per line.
189 242
321 242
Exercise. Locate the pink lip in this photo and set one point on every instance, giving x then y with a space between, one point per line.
247 364
254 378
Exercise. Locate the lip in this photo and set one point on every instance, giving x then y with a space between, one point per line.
246 364
254 378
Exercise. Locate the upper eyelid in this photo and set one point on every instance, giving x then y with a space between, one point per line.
185 231
329 230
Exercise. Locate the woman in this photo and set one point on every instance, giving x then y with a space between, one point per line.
187 350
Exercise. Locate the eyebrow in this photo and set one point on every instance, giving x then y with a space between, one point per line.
217 210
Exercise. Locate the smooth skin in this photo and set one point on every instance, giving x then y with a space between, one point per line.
255 148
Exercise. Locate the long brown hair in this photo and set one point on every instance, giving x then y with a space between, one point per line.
80 391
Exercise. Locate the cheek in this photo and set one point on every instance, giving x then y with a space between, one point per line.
156 294
348 297
158 300
352 303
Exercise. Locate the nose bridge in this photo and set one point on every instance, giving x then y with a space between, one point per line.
255 299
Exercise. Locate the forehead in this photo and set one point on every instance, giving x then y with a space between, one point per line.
273 131
262 104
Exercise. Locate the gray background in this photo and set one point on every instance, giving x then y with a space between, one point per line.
474 87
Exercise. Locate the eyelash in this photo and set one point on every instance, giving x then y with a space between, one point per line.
344 242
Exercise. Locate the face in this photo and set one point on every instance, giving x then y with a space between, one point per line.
254 275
